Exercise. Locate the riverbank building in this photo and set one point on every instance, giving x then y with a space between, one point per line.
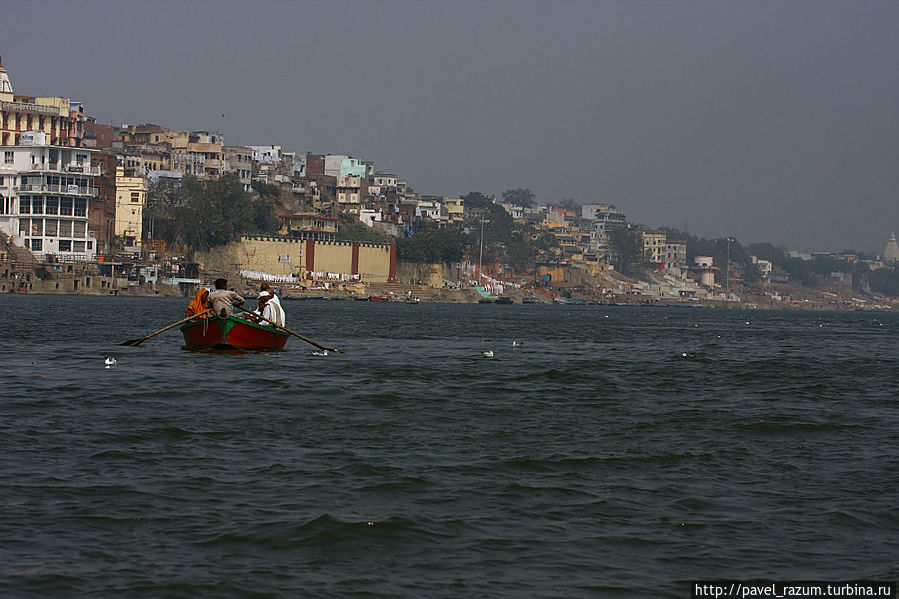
46 176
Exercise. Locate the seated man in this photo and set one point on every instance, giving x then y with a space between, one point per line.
270 309
222 300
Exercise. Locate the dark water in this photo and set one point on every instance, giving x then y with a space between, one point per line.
595 461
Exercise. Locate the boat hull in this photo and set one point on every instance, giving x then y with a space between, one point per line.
232 333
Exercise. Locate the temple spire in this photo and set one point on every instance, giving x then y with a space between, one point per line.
5 85
891 252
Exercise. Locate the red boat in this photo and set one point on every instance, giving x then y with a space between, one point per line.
377 298
231 332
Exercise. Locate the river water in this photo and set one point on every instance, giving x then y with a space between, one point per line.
619 452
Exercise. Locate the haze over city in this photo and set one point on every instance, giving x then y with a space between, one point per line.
764 121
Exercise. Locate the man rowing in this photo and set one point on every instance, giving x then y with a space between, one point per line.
222 300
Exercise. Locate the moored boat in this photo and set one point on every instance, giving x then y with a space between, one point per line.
377 298
232 332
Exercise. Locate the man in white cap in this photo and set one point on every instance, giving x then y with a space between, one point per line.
270 308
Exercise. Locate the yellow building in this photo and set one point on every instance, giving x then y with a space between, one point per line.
309 225
349 193
308 262
131 196
455 210
59 118
197 153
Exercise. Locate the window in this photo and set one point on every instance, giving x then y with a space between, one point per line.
52 206
7 157
90 245
135 195
80 158
65 206
24 226
80 207
37 245
65 245
37 227
79 229
77 246
25 205
65 228
37 205
51 226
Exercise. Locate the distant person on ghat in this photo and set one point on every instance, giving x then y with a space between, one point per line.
222 300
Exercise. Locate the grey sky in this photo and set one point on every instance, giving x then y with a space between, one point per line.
769 121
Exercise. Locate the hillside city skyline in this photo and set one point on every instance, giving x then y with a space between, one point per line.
763 121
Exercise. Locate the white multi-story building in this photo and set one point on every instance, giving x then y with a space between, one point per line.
676 258
294 164
239 160
266 154
654 247
429 208
45 191
603 219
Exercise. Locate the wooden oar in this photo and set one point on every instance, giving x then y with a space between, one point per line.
286 330
142 339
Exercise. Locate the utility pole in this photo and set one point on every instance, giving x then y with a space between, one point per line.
481 253
727 274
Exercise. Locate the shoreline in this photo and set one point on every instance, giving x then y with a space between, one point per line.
460 297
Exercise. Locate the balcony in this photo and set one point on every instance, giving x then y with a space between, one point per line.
72 190
82 168
57 167
75 190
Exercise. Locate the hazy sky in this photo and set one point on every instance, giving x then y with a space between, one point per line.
766 120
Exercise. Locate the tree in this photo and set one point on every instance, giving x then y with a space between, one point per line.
800 271
202 214
569 204
520 253
475 200
885 281
265 215
767 251
521 196
824 265
627 249
433 246
547 247
353 229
